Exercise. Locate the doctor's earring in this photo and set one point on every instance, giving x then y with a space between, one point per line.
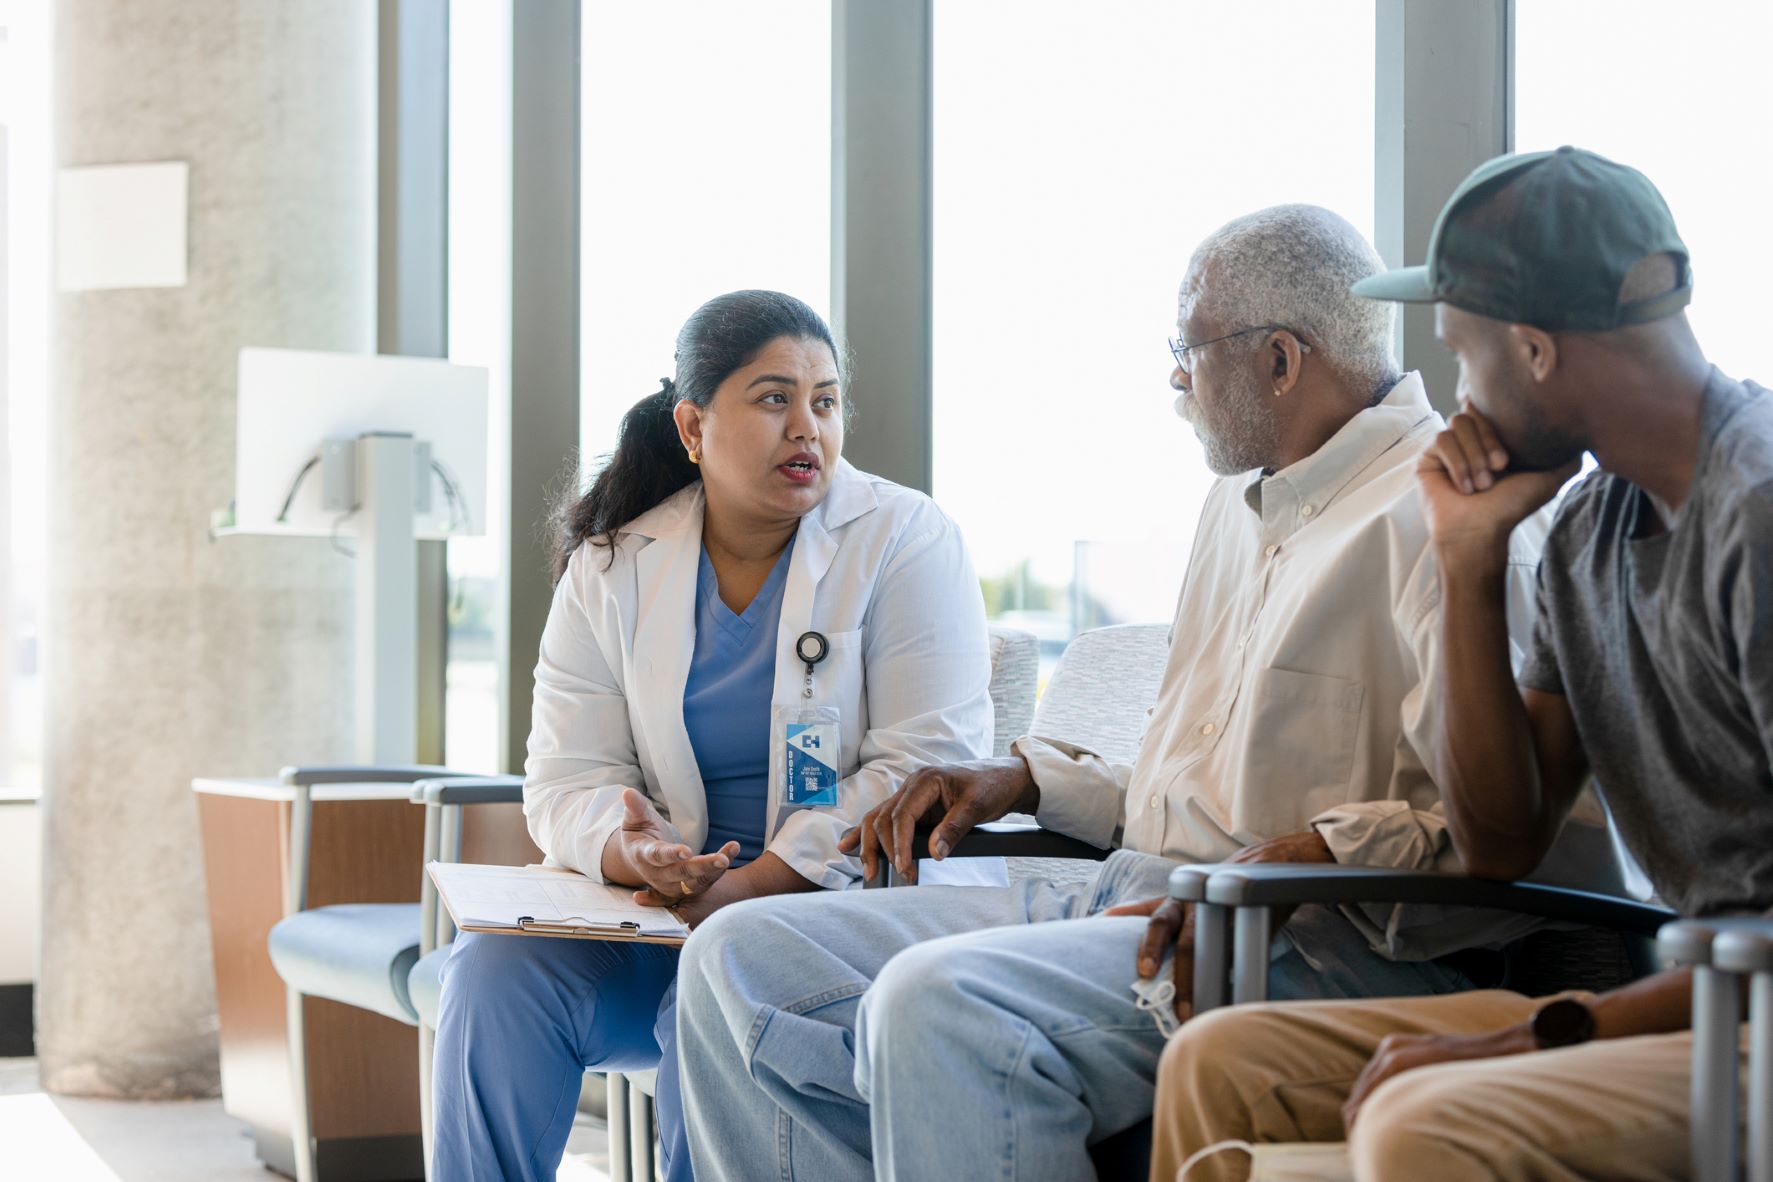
695 455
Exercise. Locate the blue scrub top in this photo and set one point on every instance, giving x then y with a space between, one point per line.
726 706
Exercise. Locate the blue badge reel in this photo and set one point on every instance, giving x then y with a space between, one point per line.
811 737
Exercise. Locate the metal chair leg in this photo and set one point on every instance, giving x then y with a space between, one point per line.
1716 1019
1760 1079
642 1135
620 1160
301 1135
427 1129
1212 934
1249 954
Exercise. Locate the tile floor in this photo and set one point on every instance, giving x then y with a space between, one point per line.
47 1138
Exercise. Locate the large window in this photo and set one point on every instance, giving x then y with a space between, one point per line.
1081 150
1680 93
705 168
479 334
24 386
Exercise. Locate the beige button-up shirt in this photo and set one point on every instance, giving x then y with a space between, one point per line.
1294 697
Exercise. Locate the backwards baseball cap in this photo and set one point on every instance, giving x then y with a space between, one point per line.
1547 239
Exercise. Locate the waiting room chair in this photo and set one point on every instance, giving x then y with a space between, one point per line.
1015 663
357 953
1724 953
1015 672
1233 920
1233 926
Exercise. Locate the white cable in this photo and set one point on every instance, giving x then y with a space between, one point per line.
1209 1151
1157 997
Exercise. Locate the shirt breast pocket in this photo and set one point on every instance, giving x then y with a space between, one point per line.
839 681
1303 731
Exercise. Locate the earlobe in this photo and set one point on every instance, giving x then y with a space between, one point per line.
1545 357
689 429
1539 349
1286 368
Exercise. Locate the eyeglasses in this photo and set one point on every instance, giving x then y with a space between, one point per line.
1180 351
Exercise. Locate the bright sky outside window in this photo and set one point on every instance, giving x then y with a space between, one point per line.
705 167
1081 150
479 334
24 384
1678 92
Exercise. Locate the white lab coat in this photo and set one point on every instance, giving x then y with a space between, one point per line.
877 568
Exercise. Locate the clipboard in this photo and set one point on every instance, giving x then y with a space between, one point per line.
549 901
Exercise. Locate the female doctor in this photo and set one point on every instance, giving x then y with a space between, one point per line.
728 576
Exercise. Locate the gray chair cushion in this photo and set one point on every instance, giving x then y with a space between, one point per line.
1015 672
645 1082
1104 686
357 953
425 986
1099 696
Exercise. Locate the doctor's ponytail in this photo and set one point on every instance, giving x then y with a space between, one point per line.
649 463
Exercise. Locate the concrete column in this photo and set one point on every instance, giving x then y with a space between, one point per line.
169 655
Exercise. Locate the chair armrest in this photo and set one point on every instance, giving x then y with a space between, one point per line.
443 800
1744 946
1189 883
469 790
1248 892
305 776
311 774
1006 839
1690 943
1278 885
1722 951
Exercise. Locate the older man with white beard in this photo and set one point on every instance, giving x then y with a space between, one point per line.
951 1032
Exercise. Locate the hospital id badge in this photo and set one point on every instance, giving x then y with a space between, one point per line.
812 752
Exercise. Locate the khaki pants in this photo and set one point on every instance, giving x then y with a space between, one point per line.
1614 1110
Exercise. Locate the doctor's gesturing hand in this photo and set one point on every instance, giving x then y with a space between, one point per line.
957 796
643 853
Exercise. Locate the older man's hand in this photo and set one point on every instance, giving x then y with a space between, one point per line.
961 795
1172 921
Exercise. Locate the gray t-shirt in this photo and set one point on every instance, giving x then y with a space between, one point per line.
1663 645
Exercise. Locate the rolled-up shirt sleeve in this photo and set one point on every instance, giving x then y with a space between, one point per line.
1082 795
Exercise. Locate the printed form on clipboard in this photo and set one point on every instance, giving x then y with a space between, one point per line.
549 901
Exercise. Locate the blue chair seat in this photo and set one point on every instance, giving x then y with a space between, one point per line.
358 953
425 986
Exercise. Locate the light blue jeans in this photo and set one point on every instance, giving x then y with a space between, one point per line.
520 1021
949 1032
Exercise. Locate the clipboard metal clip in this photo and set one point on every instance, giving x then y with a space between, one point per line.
574 924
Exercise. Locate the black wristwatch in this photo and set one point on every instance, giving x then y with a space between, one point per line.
1565 1022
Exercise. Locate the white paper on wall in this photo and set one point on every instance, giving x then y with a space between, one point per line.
121 225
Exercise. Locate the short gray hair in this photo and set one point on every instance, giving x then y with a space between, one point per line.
1292 265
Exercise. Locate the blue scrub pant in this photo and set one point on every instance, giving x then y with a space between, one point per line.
521 1020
